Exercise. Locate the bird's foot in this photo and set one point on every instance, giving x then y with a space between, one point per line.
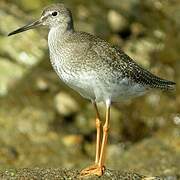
92 170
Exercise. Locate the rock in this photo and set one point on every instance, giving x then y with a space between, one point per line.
126 6
159 34
115 39
57 174
28 6
65 104
153 100
176 119
140 50
82 12
85 123
137 29
32 122
19 47
42 84
71 140
151 155
19 51
10 73
116 21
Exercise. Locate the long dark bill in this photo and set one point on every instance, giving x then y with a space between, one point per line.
26 27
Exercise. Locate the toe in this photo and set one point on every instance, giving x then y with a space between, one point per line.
92 170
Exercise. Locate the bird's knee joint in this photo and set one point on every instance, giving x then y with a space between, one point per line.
105 128
98 123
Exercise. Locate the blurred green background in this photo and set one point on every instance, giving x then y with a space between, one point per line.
44 123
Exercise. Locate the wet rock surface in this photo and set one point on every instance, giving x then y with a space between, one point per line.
43 123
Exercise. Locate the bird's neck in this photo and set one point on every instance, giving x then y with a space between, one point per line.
58 34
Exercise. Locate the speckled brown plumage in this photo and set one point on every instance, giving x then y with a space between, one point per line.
115 61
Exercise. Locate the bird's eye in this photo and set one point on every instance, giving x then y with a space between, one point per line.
54 13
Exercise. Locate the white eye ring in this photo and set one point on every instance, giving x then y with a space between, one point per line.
54 13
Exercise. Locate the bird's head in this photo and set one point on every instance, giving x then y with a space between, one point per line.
56 15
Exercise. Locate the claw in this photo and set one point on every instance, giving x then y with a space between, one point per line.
92 170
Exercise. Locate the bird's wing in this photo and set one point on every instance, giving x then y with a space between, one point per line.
96 53
121 65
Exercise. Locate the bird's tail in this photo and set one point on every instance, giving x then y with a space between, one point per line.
163 84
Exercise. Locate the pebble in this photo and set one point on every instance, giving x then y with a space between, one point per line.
42 84
70 140
116 21
65 104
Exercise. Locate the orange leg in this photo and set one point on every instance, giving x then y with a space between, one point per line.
95 169
101 162
98 134
98 168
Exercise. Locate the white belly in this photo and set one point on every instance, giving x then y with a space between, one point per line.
91 86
